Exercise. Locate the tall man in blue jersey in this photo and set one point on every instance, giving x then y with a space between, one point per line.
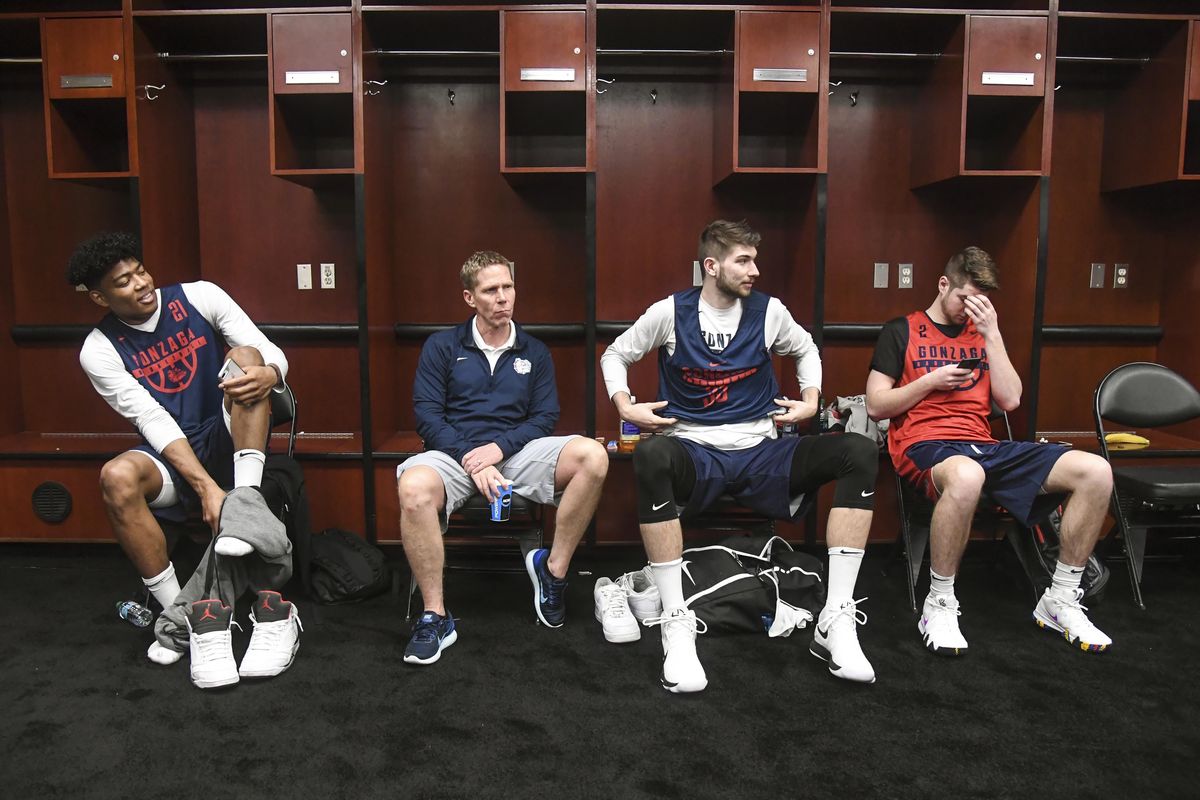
485 402
155 358
718 411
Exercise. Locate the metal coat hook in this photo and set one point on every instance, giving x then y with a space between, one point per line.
654 96
375 83
373 92
145 91
854 98
604 80
833 86
450 96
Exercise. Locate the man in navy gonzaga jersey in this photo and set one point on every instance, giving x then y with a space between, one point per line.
719 413
155 358
940 440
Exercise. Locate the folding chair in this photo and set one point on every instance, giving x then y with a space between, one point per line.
1146 396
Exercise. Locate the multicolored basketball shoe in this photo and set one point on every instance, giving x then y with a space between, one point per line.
1068 618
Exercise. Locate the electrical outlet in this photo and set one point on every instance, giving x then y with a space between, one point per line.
1120 276
1097 279
881 275
697 276
904 276
327 272
304 276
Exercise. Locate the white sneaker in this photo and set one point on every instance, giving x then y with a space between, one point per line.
642 591
939 625
275 639
1068 618
681 670
612 610
209 623
835 640
162 655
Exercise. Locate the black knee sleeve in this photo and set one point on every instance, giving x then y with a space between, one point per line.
847 458
856 478
664 475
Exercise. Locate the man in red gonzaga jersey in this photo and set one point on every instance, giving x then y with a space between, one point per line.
940 441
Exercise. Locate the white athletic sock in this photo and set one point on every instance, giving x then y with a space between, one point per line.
164 586
232 546
668 576
939 584
843 574
248 468
1065 581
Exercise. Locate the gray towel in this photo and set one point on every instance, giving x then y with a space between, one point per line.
245 515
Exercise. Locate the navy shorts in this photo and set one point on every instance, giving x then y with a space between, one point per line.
1015 472
757 477
213 447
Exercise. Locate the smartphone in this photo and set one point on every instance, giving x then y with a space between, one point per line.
230 369
969 363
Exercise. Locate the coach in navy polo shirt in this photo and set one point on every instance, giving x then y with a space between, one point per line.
486 404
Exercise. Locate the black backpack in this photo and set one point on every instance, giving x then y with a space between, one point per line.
345 568
753 584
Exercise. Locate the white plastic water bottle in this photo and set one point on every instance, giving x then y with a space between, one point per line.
134 613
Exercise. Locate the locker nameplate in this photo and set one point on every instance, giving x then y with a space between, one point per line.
1008 79
85 81
792 75
547 74
312 77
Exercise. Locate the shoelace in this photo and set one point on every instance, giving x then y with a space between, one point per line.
267 634
948 609
691 621
426 632
628 582
215 644
1074 603
554 589
614 601
850 609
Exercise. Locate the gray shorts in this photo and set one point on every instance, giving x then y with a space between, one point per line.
531 471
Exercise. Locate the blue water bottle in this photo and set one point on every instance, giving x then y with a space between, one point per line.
134 613
502 505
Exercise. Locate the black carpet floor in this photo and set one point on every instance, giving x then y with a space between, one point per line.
518 710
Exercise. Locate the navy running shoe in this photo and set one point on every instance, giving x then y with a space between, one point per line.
431 634
549 592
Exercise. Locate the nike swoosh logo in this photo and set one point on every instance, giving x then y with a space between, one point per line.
715 364
688 572
660 505
867 494
460 358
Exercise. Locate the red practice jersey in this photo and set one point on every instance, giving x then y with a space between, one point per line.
957 415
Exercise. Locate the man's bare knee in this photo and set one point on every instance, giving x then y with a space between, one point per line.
246 356
120 482
587 459
961 481
419 489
